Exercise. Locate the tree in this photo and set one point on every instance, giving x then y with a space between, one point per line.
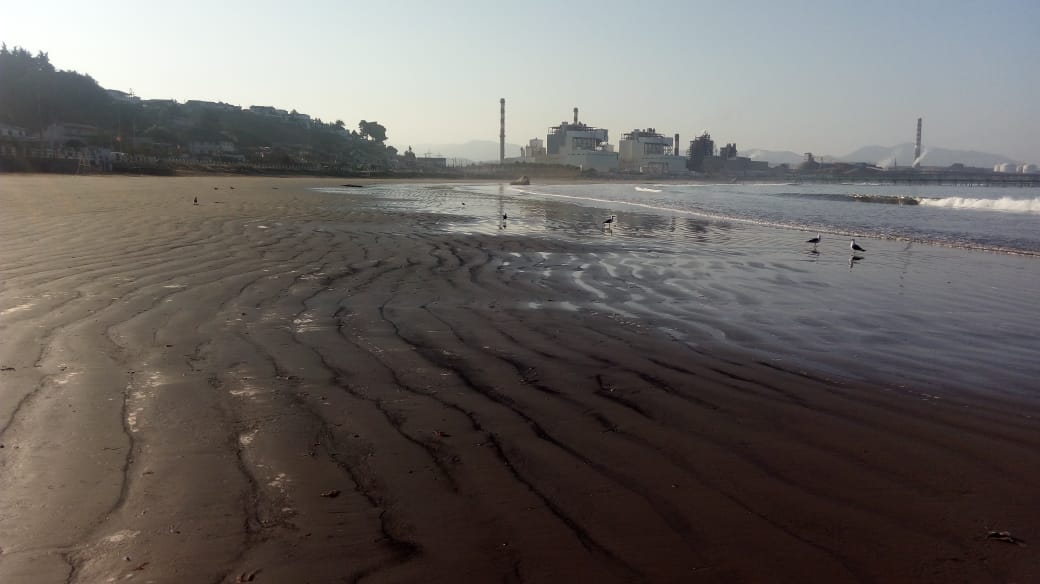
372 130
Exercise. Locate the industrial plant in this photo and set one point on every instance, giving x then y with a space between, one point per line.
649 152
640 151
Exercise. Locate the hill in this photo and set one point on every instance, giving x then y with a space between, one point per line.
903 155
886 156
44 101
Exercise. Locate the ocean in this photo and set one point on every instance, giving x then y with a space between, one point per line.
943 299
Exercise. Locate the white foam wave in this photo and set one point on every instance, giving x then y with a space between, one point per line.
646 190
1006 204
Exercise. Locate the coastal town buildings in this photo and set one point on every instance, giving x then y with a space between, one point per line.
68 134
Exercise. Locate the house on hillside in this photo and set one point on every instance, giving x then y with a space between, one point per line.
217 150
11 138
301 119
122 96
211 105
159 102
67 134
266 110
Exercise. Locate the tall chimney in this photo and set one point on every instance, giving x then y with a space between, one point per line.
917 144
575 116
675 150
502 134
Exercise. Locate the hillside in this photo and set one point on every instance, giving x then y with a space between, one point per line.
41 100
903 155
885 156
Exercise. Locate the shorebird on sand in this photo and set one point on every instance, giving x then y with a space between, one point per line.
855 246
609 221
196 201
814 240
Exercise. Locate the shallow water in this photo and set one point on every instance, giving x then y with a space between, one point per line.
903 313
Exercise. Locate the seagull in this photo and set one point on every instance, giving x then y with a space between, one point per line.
814 240
609 221
504 216
855 246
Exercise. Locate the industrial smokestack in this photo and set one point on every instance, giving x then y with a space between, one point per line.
502 134
575 116
675 149
917 144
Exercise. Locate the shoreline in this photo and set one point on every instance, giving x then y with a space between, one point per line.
285 385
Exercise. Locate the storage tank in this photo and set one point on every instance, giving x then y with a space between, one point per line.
1028 169
1007 167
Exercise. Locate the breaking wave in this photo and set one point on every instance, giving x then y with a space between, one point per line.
646 190
857 197
1006 204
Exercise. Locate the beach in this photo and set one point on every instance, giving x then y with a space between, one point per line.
281 384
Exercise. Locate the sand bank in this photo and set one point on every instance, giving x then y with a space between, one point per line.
280 385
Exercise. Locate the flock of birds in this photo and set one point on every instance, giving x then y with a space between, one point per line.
853 247
816 240
609 222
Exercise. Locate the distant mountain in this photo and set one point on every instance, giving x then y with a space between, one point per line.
774 157
903 155
474 150
886 156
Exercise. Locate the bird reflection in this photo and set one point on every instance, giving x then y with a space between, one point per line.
853 259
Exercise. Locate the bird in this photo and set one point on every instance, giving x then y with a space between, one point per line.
196 200
608 222
814 240
855 246
504 216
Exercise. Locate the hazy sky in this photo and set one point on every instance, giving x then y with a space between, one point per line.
821 76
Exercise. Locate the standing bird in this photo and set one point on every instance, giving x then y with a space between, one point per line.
609 221
855 246
814 240
196 200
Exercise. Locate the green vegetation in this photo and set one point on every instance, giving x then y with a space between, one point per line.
34 95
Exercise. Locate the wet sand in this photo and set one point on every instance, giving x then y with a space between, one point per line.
280 385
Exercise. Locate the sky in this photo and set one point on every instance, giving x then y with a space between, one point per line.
821 76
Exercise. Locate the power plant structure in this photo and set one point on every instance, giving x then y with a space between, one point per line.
917 145
502 134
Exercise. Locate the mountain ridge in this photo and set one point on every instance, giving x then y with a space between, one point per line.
886 156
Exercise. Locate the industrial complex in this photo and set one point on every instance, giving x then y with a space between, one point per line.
649 152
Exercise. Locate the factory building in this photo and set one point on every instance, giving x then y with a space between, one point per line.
648 152
581 145
574 144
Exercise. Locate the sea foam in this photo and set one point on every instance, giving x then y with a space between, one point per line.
1006 204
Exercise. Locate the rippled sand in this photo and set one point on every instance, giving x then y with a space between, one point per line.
282 385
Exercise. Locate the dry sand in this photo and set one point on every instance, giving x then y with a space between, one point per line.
279 385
